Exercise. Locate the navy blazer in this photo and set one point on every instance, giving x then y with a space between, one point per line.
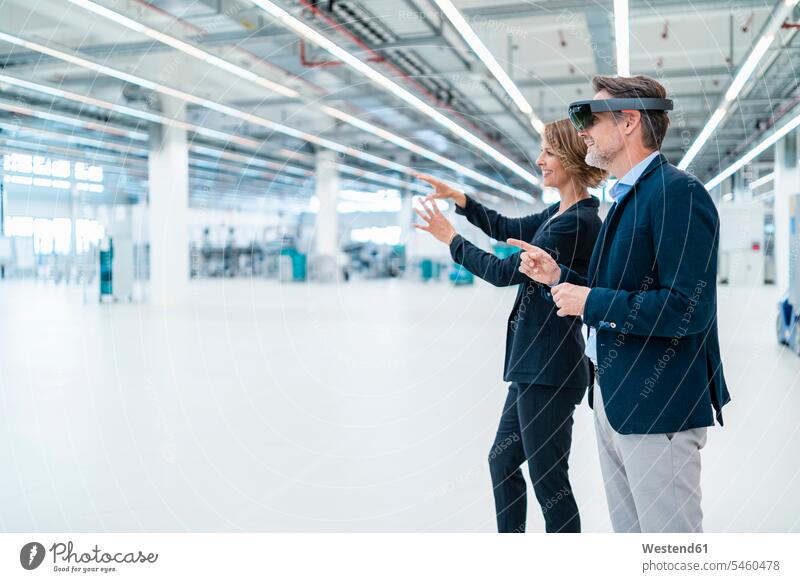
653 303
541 348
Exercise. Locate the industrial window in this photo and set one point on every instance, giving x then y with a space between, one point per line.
54 234
386 235
18 226
43 242
88 233
28 170
87 173
62 233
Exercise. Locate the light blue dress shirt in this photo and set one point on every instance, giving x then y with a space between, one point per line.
617 193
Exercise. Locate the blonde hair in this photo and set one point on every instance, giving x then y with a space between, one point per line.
570 150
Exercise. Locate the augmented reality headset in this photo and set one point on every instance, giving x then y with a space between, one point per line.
580 112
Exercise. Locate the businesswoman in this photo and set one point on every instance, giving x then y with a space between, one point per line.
544 360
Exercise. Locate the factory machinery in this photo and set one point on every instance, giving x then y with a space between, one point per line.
787 323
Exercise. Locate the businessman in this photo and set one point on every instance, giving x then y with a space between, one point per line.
649 300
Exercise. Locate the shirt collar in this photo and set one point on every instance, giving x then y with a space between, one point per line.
635 172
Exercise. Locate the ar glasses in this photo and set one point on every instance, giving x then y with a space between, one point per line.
580 112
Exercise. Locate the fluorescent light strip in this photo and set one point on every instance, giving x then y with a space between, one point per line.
137 168
75 138
389 180
91 101
190 98
765 179
67 153
754 152
132 112
719 114
312 35
622 37
461 26
705 133
128 111
414 148
250 160
64 119
249 117
343 168
199 130
248 75
749 65
185 47
246 175
746 70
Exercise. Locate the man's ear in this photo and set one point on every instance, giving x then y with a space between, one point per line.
632 120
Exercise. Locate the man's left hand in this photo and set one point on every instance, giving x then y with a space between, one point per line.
570 299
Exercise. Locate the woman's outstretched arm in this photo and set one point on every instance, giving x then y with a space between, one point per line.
493 223
499 272
492 269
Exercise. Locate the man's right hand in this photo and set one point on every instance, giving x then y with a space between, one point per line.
442 190
537 263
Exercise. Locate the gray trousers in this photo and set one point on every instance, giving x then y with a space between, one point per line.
652 480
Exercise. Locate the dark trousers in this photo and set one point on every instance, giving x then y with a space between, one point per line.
536 426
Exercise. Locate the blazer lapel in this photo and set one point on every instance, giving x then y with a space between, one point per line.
609 227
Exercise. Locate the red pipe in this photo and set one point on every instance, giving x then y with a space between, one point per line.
306 63
341 29
773 119
402 74
203 32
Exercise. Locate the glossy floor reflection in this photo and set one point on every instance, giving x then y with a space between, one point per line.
368 406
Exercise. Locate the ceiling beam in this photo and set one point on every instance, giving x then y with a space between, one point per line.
511 10
700 73
599 25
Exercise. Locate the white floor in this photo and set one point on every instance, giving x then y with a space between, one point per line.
369 406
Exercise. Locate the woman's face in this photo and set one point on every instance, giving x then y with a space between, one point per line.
553 172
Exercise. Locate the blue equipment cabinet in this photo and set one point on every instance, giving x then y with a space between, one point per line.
460 276
787 322
106 270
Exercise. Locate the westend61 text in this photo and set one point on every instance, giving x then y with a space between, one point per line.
673 549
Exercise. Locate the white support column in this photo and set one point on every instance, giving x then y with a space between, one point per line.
786 183
406 216
741 190
326 230
169 209
408 234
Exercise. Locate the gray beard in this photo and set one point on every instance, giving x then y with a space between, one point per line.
596 159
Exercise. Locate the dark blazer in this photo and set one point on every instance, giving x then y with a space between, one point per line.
653 303
541 347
